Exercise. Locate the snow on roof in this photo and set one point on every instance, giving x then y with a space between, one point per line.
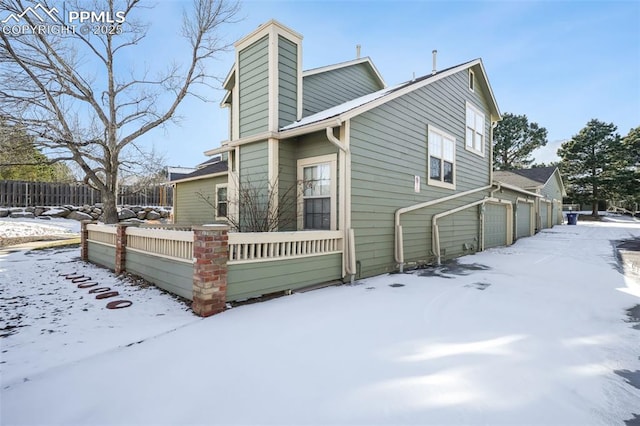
342 108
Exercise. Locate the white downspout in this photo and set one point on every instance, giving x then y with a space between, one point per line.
349 237
435 233
399 248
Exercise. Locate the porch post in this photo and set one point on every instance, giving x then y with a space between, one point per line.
210 252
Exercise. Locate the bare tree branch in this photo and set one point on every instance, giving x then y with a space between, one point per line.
71 91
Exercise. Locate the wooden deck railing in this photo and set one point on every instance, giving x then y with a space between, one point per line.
102 234
171 244
264 246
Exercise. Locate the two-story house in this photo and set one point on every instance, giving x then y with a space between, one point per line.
398 175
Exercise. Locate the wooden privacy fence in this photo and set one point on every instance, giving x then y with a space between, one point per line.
211 266
15 193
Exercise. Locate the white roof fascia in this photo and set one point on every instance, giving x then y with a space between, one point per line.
338 110
230 75
212 175
486 80
337 66
263 30
220 150
516 189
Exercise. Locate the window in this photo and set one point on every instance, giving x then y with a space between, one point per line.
474 140
471 81
221 201
317 202
442 158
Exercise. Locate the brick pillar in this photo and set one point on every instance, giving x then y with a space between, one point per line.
121 247
84 240
210 251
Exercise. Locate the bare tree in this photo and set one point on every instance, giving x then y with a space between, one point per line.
71 89
262 206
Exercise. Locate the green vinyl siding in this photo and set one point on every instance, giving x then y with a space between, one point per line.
254 166
389 148
287 186
168 274
103 255
254 184
314 145
459 233
195 200
331 88
253 81
287 81
247 280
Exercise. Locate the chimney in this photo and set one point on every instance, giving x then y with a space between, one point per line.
358 51
435 54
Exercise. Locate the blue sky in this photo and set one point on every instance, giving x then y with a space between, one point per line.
561 63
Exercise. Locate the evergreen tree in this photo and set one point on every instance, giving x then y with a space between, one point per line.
589 162
514 139
627 177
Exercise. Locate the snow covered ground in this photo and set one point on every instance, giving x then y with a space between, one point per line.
16 228
535 333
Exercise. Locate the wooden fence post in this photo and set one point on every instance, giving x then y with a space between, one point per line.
210 251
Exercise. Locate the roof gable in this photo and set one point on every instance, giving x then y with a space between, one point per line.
365 103
511 178
366 61
217 167
539 174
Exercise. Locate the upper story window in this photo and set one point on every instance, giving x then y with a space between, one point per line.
471 81
474 138
442 159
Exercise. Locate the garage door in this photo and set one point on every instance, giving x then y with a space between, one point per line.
495 225
544 214
555 218
523 219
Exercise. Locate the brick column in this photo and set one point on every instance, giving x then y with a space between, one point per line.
84 240
210 251
121 247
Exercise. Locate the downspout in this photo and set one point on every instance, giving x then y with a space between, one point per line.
349 238
435 234
399 248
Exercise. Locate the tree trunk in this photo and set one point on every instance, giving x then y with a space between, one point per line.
110 211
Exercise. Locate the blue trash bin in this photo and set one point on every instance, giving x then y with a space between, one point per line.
572 218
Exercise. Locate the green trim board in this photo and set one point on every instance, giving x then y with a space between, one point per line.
170 275
102 255
254 279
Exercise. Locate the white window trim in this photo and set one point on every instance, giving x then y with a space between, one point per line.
332 160
472 83
220 186
470 106
439 183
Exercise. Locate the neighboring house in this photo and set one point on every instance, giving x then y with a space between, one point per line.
200 196
545 181
396 175
177 173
